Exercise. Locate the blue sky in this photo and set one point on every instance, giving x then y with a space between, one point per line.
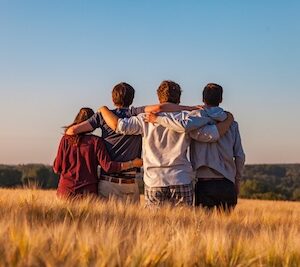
57 56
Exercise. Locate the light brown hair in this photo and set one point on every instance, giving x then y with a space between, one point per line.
169 91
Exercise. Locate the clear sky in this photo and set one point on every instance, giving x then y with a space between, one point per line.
57 56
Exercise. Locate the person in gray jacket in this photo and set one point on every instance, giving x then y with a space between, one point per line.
218 165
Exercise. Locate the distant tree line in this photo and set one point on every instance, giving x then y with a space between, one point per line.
29 175
276 182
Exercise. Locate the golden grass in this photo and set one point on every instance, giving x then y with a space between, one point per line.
37 229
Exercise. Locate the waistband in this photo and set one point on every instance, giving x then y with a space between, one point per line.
117 180
211 179
130 174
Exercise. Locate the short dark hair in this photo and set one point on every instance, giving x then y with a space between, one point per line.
123 94
212 94
169 91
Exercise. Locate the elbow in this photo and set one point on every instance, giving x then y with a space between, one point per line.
55 170
158 109
114 127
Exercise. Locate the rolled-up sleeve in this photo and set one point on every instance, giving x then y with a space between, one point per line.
130 126
206 134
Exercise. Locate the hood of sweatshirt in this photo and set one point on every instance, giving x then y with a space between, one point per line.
216 113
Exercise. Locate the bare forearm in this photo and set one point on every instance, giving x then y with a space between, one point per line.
136 163
110 118
224 126
168 107
80 128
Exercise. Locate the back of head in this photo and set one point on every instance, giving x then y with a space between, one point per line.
122 95
169 91
83 115
212 94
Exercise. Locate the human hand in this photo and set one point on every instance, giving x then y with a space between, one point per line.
137 163
150 117
230 116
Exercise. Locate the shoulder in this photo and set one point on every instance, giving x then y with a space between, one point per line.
134 111
188 114
65 138
96 116
93 139
96 120
138 117
175 114
235 126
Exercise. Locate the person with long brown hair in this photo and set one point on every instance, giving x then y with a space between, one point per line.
78 157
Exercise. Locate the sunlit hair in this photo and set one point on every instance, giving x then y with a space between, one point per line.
83 115
169 91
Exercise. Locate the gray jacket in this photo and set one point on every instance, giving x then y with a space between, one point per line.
226 156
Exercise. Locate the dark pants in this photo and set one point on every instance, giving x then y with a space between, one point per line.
219 193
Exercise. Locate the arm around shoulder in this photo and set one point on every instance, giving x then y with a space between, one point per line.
110 118
224 126
206 134
183 122
130 126
168 107
80 128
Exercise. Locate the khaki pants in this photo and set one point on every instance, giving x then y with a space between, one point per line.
123 192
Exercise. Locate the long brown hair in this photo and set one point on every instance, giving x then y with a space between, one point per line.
83 115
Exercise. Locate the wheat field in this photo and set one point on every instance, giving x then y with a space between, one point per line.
37 229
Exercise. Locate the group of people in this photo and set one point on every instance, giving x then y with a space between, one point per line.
190 154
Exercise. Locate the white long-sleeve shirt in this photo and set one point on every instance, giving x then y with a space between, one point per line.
165 151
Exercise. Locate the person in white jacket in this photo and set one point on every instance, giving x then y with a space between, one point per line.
218 165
